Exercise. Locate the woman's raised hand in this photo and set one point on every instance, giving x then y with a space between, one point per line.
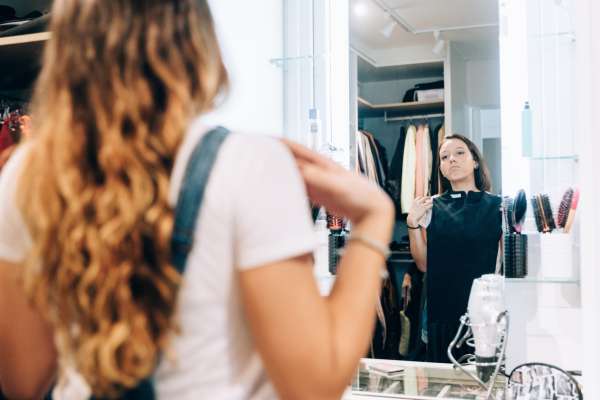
340 191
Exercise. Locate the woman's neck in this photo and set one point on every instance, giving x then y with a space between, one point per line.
465 185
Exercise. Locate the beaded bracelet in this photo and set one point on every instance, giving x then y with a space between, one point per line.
373 244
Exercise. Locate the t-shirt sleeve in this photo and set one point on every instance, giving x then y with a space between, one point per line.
15 241
272 213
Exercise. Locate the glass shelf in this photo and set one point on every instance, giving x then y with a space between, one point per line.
571 157
544 280
553 233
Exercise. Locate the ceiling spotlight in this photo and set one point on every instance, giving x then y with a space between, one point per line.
388 29
360 9
439 45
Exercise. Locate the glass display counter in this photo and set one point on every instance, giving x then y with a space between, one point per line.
377 379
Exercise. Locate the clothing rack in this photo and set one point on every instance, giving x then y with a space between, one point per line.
424 116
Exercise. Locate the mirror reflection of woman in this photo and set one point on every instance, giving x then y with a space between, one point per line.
454 238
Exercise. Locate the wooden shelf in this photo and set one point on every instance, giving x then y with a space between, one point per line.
366 108
24 39
21 57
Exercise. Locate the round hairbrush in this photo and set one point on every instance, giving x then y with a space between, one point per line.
334 222
563 209
571 217
520 208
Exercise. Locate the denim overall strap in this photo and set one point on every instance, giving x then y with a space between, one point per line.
189 203
191 194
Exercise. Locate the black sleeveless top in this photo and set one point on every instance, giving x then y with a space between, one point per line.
462 244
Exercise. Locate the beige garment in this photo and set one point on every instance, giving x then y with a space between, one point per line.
419 169
409 164
427 161
371 168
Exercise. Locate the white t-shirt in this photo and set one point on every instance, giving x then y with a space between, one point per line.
255 211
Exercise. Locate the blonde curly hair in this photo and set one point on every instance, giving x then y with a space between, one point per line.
120 81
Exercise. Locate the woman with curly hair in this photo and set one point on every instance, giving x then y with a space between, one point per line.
87 214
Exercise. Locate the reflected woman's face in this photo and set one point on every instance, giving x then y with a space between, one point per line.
456 160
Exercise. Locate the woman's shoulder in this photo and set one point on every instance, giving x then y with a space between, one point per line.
492 198
12 168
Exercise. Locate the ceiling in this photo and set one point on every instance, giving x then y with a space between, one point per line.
368 19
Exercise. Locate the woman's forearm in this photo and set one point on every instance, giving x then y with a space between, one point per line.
352 301
418 248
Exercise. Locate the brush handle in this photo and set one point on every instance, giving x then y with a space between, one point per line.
571 217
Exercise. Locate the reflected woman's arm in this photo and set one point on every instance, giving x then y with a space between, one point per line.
416 233
418 247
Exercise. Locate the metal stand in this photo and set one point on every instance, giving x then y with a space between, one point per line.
460 339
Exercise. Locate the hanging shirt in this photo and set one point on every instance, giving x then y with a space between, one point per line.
6 139
435 159
420 167
427 161
409 164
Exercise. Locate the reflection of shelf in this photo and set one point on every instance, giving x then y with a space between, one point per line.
571 157
553 233
544 280
23 39
21 57
368 109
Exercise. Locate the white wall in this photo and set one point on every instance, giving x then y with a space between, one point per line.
251 34
540 68
483 83
457 86
588 124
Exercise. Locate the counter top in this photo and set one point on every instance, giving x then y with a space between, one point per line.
412 380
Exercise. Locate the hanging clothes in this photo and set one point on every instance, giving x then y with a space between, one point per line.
420 167
409 164
363 166
427 161
6 139
378 164
394 181
441 135
435 159
372 161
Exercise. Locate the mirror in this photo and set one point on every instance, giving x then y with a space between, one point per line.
492 57
425 69
501 73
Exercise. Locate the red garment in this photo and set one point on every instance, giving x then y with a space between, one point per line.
5 139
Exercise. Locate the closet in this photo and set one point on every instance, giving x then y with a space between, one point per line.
400 114
22 36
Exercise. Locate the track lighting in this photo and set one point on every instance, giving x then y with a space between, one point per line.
439 45
388 29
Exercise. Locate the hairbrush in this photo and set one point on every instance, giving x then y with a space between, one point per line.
507 214
564 208
537 214
334 222
520 208
547 208
571 217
